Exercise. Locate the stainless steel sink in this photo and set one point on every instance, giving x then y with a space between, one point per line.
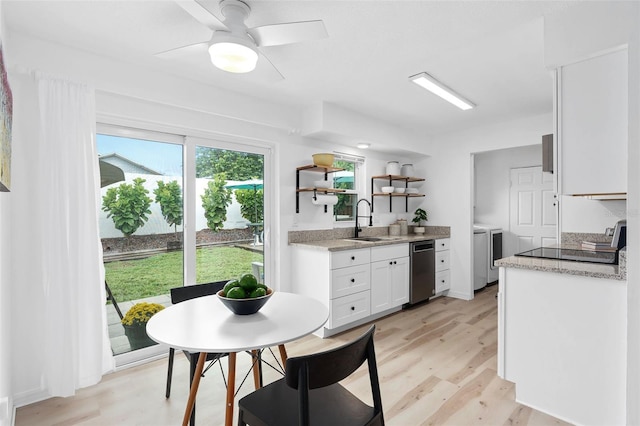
364 239
373 239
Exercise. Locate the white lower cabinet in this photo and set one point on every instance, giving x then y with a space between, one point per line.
442 265
354 284
389 277
344 310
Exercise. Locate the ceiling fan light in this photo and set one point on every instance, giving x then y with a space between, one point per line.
233 57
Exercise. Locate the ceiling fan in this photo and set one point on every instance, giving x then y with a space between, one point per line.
234 47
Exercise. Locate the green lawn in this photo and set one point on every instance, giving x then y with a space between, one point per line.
155 275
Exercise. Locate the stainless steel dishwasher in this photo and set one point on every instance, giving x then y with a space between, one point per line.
422 282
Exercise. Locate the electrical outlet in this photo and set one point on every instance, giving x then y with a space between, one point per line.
609 232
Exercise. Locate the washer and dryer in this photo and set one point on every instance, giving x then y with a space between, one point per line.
491 252
480 258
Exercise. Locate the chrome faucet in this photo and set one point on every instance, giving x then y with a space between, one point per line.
357 216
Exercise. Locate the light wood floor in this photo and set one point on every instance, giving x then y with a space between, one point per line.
437 366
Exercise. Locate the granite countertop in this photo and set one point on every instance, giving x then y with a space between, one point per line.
596 270
338 239
346 244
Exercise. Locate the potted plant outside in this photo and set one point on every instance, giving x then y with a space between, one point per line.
135 324
419 217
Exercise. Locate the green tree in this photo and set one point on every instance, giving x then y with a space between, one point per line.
128 205
169 196
215 200
344 209
236 165
251 204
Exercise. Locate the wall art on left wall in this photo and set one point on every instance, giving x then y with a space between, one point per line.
6 116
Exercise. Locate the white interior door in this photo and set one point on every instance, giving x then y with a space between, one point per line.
532 211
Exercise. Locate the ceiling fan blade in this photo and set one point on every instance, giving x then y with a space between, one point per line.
179 52
271 70
201 14
291 32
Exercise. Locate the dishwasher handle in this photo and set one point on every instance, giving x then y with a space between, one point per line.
424 246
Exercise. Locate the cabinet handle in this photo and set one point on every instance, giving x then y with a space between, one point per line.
390 263
442 281
353 280
353 308
442 261
395 262
353 258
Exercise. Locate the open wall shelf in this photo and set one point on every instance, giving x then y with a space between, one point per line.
316 169
395 178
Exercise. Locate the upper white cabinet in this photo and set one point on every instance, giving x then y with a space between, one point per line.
592 125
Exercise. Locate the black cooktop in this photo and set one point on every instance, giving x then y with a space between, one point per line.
608 257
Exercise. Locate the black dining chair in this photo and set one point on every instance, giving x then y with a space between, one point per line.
310 394
180 294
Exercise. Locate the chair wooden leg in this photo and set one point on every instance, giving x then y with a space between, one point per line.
231 389
169 372
194 388
283 355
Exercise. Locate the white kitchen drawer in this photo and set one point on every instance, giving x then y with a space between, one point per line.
349 308
442 281
442 260
442 244
342 259
345 281
392 251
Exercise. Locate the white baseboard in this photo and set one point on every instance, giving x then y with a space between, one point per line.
6 411
459 295
29 397
325 332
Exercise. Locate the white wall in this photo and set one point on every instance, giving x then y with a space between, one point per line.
591 216
449 184
492 186
633 220
6 390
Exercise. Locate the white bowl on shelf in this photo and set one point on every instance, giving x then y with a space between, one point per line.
387 189
412 190
399 190
322 183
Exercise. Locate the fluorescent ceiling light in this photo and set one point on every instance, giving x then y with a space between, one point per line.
363 145
233 54
425 81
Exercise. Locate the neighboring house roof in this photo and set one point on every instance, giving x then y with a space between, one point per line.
127 165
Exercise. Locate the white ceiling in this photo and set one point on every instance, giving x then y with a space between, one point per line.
489 51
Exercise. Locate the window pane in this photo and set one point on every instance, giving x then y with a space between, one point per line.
229 214
140 226
344 210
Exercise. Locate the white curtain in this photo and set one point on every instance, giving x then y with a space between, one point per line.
76 348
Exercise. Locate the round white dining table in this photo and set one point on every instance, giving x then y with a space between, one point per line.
205 325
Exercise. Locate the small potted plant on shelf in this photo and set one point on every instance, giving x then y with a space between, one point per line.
419 217
135 324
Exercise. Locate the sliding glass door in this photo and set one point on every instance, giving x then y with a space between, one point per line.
229 214
176 211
